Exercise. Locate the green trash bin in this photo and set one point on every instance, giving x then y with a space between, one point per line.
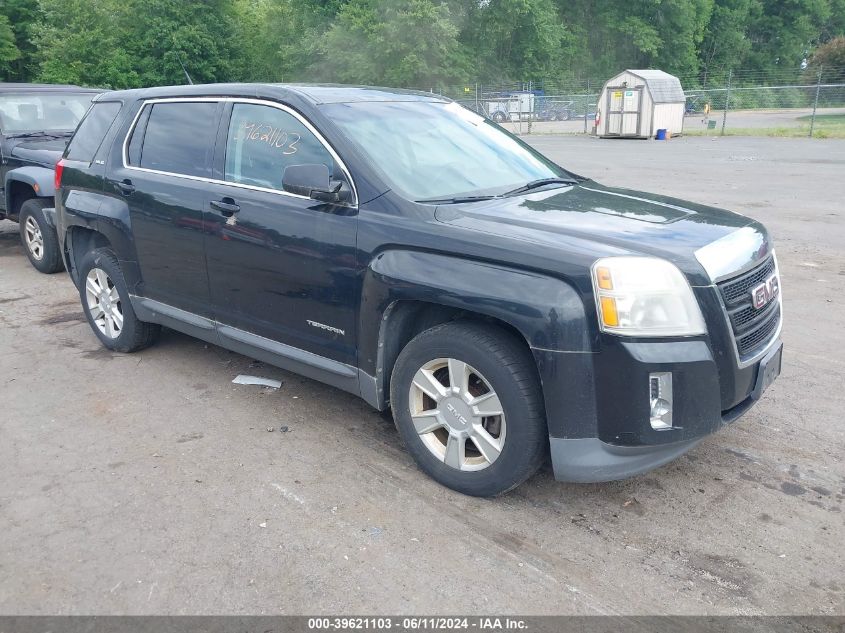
711 124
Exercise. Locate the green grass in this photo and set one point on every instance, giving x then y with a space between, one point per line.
824 118
826 126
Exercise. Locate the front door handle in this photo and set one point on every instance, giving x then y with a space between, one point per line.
126 186
226 206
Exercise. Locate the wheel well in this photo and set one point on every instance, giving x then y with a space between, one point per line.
79 241
19 192
406 319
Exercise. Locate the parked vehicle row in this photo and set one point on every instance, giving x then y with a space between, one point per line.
405 249
36 122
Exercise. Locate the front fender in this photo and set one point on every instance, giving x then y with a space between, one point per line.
548 313
40 179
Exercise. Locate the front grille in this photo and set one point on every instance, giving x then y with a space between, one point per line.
752 328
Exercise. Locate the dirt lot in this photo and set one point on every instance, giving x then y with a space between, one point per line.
149 483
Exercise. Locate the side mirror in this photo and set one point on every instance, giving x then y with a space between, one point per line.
313 180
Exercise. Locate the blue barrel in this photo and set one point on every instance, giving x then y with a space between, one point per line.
661 134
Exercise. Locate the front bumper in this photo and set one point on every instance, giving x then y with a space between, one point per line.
588 460
598 414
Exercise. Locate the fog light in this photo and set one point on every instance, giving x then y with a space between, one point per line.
660 399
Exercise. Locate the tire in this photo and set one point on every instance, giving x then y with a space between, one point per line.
40 242
553 116
514 442
565 115
105 297
500 117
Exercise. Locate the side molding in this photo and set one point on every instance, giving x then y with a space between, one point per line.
287 357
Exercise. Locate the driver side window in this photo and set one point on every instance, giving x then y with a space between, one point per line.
263 141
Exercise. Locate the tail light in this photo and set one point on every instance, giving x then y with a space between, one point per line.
60 166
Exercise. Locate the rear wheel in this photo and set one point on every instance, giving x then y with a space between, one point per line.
40 241
108 309
466 400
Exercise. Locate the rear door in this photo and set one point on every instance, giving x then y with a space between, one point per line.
162 175
280 266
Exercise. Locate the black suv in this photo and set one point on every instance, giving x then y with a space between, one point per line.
405 249
36 121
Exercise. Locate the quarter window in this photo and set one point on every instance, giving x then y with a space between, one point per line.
175 137
264 140
93 128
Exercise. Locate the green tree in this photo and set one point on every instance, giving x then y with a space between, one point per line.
8 50
829 58
392 42
160 33
20 16
277 40
520 39
726 43
83 42
782 34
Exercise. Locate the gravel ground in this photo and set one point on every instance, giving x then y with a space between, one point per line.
149 483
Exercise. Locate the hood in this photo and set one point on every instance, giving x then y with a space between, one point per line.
45 152
636 222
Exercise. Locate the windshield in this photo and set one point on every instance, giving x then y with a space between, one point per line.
429 150
42 111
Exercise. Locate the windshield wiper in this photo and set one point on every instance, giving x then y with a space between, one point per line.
39 134
542 182
457 199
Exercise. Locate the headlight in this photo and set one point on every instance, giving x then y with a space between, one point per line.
645 296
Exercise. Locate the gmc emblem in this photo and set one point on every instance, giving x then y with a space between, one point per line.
764 293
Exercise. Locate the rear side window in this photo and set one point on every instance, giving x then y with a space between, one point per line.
85 143
177 138
263 141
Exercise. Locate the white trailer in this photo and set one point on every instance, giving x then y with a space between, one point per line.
514 106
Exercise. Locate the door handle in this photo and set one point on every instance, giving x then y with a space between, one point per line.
226 206
126 186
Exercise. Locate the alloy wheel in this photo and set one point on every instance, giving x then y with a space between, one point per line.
457 414
33 238
104 303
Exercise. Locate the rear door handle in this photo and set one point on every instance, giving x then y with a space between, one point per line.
226 206
126 186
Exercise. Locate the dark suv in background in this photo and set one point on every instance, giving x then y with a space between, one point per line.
36 121
405 249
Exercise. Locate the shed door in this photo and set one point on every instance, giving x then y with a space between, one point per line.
623 111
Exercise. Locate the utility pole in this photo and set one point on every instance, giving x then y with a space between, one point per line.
816 102
727 101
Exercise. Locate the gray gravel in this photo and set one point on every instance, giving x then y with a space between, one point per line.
148 483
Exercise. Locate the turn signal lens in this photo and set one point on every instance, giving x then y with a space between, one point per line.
609 315
603 278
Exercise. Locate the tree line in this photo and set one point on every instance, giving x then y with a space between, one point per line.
410 43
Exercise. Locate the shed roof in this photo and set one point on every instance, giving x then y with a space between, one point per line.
664 88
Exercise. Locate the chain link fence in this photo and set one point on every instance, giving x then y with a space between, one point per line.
804 103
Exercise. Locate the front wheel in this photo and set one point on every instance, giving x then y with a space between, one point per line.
39 238
467 402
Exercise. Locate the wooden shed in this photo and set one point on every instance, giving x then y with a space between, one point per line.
637 103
